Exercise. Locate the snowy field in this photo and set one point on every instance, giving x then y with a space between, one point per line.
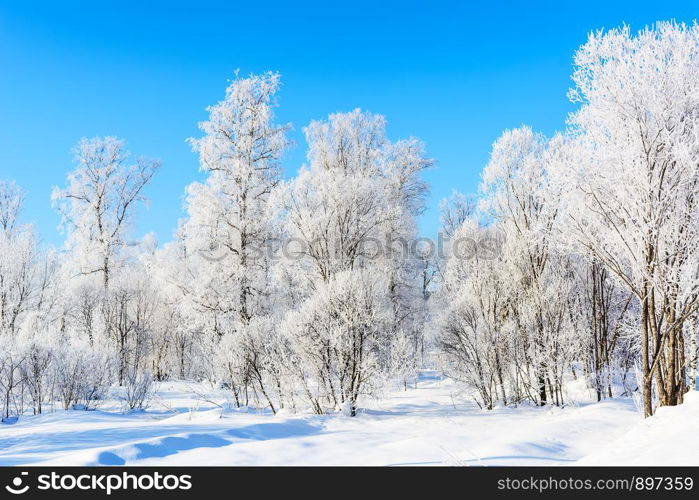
426 425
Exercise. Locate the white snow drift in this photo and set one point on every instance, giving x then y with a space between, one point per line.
427 425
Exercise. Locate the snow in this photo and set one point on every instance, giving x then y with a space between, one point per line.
427 425
670 437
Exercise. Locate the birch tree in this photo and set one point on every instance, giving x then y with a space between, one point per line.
98 204
636 180
228 234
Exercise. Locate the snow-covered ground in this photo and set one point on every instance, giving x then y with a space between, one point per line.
670 437
423 426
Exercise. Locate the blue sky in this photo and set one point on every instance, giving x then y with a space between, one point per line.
453 74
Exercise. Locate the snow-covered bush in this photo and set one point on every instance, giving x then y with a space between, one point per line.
404 359
338 334
81 375
138 387
36 372
12 381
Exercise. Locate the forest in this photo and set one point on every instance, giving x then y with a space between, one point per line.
577 259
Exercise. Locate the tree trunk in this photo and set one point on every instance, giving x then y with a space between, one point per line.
647 380
694 331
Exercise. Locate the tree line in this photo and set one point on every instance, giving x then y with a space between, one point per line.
576 262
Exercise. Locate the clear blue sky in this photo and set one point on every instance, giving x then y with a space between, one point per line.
453 74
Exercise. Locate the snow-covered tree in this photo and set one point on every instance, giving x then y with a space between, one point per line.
518 195
97 205
636 183
11 199
227 239
351 211
339 334
228 216
473 306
